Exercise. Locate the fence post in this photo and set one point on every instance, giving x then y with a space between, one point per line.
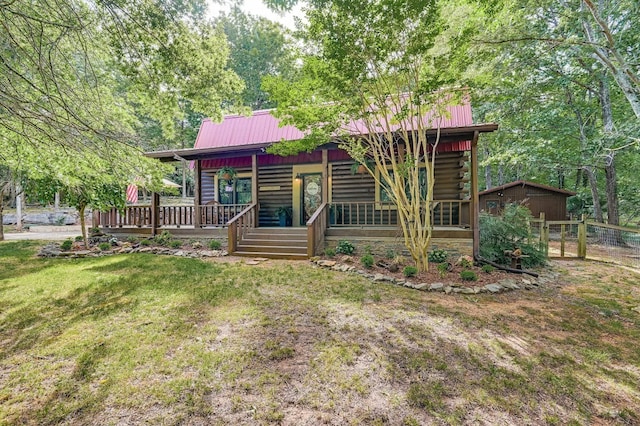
582 237
155 212
544 234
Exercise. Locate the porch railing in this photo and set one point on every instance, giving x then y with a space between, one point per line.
219 214
316 227
140 216
132 216
239 225
449 213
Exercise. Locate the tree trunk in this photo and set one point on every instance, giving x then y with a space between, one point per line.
83 228
487 172
1 215
595 195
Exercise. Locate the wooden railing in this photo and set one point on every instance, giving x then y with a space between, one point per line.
238 226
219 214
316 226
175 215
454 213
138 216
141 216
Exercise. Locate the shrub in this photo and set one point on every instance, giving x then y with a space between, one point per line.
175 244
465 261
443 268
345 247
410 271
104 246
438 256
468 275
215 245
145 242
390 254
196 244
508 232
131 239
164 238
367 260
329 252
66 245
78 238
488 269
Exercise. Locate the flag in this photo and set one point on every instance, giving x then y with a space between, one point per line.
132 193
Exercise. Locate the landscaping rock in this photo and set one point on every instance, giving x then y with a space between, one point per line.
493 288
448 289
327 263
436 287
421 286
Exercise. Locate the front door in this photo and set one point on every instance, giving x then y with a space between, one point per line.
311 195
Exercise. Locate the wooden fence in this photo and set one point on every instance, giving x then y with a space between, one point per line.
586 239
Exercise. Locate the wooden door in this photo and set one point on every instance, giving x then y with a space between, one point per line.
311 195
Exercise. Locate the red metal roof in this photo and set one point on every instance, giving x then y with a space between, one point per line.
262 127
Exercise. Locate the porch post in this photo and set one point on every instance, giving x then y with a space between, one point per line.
254 180
325 176
197 217
475 199
155 212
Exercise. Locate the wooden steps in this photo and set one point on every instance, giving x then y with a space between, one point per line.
274 243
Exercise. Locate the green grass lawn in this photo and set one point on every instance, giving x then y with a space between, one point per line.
135 339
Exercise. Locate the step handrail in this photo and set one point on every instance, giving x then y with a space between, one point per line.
238 225
316 227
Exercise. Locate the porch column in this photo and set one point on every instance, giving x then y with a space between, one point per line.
325 176
475 200
155 212
197 190
254 179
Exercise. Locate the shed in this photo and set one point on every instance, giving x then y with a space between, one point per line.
539 198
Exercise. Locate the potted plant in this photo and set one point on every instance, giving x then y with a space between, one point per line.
227 173
361 168
284 215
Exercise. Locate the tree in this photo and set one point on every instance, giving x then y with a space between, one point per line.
379 66
553 91
258 48
76 76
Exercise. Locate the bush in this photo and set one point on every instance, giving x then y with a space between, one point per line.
488 269
145 242
104 246
390 254
438 256
465 261
329 252
345 247
468 275
443 268
507 232
175 244
131 239
164 238
410 271
78 238
66 245
215 245
367 260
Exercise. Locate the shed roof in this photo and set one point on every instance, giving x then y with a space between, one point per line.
527 183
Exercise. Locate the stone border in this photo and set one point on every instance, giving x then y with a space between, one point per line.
526 283
53 250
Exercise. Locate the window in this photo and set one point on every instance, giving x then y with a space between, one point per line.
236 192
382 190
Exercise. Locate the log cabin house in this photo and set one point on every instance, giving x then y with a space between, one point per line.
327 201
